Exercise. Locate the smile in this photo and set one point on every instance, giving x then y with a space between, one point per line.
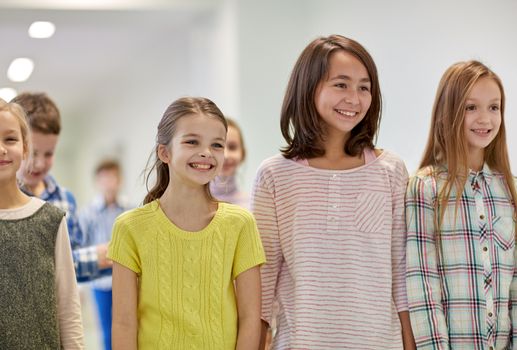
201 166
346 113
481 132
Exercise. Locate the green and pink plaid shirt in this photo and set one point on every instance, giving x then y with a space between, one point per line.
464 299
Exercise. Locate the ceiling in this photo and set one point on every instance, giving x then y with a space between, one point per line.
95 40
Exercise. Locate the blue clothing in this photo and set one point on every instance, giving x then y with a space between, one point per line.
104 302
96 223
64 200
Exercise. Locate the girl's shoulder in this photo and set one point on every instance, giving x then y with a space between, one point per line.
233 213
28 209
390 161
140 215
275 162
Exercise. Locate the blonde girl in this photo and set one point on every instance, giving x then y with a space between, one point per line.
38 291
460 212
186 267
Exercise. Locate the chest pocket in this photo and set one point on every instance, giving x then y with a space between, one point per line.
504 231
369 211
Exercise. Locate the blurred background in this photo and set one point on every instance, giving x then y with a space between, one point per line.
113 66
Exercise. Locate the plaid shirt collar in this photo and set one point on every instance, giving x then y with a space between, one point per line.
51 188
485 173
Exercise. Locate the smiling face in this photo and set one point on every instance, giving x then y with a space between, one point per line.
12 148
343 98
196 153
482 117
43 145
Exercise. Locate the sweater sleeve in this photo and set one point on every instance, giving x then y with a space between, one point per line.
423 280
123 248
68 303
264 209
398 232
249 251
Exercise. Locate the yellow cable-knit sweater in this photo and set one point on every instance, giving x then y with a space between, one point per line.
186 297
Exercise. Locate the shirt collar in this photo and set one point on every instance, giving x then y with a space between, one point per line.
485 173
50 188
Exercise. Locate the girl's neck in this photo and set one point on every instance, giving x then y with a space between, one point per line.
335 157
187 207
12 197
476 160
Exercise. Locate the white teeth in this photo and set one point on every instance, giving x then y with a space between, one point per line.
345 113
481 131
201 166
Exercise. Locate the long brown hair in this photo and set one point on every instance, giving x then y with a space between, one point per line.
178 109
447 145
300 122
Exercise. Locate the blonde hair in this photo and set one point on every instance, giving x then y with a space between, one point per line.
17 112
447 145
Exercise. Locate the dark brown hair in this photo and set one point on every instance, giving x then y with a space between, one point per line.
42 113
300 122
178 109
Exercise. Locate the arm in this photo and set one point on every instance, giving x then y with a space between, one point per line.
125 321
264 208
513 292
423 281
407 333
398 254
68 303
91 259
264 331
91 262
74 229
248 305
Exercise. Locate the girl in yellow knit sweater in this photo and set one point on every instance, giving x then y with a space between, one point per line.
186 267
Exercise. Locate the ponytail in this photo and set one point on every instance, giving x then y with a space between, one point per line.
162 181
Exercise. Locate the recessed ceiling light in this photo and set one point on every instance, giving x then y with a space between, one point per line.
20 69
7 94
42 30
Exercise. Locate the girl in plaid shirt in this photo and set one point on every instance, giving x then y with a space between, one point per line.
460 215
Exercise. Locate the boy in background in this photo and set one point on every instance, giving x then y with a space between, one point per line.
97 222
44 121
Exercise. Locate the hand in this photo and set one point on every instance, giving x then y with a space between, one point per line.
102 259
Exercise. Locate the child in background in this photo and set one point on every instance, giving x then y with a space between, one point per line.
330 210
45 124
460 212
186 267
97 222
38 292
224 187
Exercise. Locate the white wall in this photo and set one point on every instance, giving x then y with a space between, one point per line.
241 56
412 42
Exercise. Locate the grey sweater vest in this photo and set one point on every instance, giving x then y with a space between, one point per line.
28 307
